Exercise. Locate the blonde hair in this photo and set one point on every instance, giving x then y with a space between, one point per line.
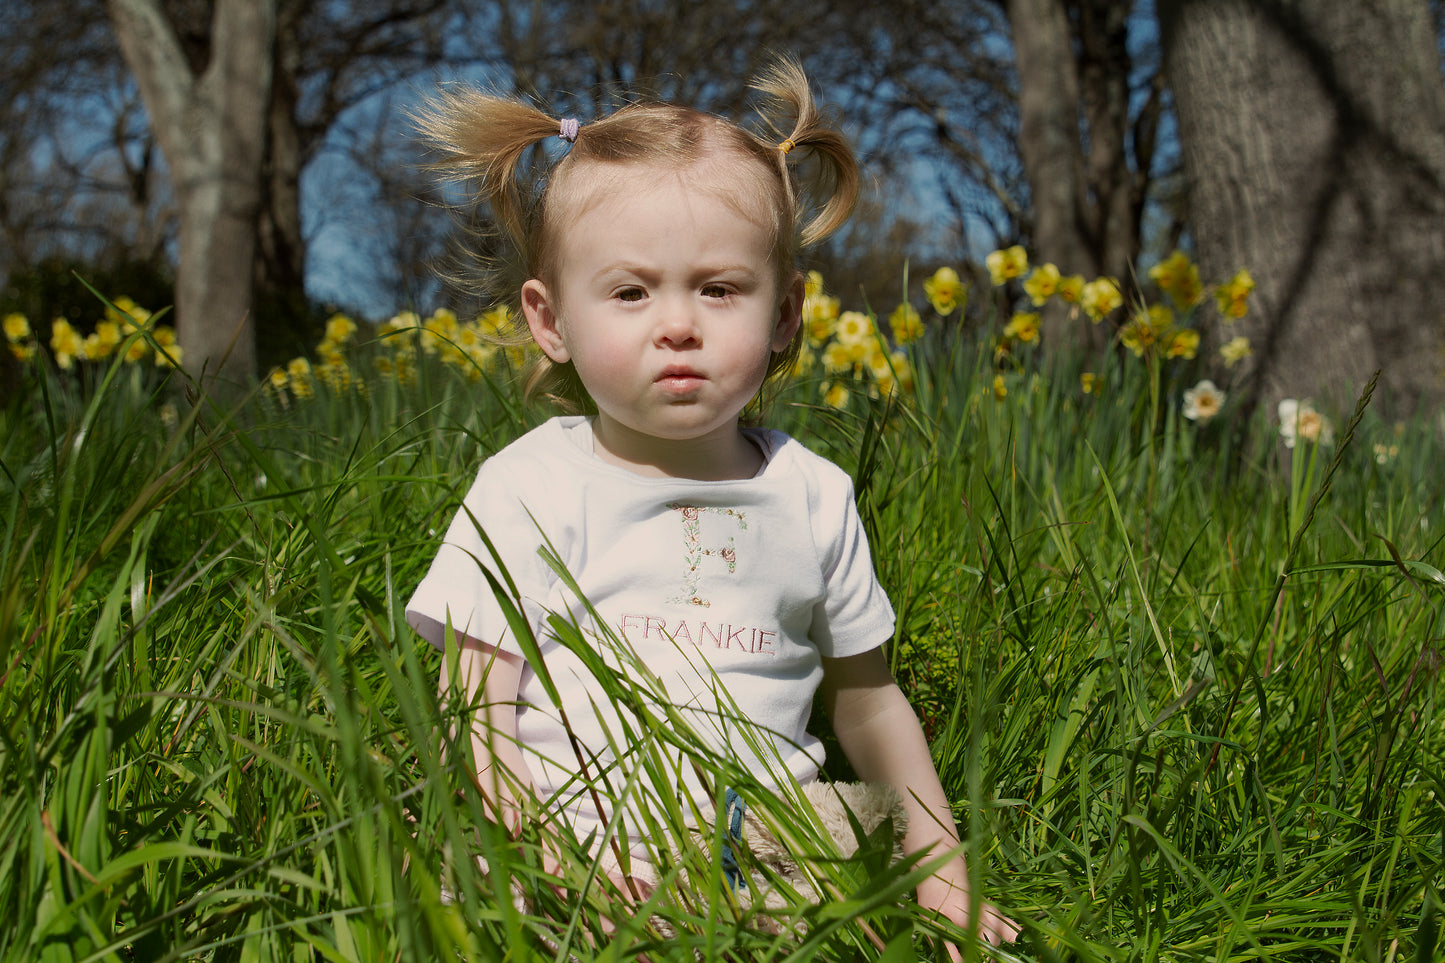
483 141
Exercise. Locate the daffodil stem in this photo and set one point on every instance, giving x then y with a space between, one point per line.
1291 551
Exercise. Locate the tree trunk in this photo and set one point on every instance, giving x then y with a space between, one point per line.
1073 139
1114 194
1314 143
281 261
1049 146
211 125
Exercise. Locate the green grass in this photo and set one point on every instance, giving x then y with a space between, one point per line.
1185 711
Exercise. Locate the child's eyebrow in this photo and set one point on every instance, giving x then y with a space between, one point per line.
731 269
629 269
611 273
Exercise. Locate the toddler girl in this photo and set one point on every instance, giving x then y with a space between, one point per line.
662 290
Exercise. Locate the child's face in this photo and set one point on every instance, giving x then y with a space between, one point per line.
668 304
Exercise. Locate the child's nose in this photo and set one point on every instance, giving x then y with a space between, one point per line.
678 324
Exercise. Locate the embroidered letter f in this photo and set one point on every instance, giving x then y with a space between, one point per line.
694 552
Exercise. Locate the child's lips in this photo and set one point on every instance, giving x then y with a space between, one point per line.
680 378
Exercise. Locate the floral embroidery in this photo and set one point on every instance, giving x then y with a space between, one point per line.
694 553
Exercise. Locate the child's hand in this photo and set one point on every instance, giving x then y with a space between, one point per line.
633 888
950 900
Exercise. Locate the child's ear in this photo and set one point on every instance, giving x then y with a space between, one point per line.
790 313
539 308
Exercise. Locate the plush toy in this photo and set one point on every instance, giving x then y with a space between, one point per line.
767 867
871 804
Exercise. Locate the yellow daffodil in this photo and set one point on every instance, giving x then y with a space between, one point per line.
1006 264
299 370
335 373
480 355
855 328
1161 318
1167 272
1000 389
820 307
1183 343
1100 297
945 291
1088 381
878 363
275 383
1233 296
126 313
65 343
1203 402
1235 350
493 324
837 358
103 340
1042 283
405 321
1178 278
169 353
812 284
139 348
820 312
339 328
331 355
906 324
1023 327
1145 330
17 327
836 395
439 330
1071 288
819 328
883 383
95 348
1137 336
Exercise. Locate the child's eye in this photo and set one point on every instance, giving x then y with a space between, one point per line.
630 294
715 291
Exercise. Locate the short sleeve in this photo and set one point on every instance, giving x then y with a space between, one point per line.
456 586
855 615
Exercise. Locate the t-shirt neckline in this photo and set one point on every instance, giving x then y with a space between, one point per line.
577 429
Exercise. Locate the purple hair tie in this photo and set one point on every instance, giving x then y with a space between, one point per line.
570 127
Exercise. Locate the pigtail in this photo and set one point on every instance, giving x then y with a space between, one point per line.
481 139
790 111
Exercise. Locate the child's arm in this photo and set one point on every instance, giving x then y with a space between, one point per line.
881 737
501 771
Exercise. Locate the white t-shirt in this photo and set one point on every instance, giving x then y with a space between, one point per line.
753 580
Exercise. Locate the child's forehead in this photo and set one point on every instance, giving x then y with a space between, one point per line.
734 177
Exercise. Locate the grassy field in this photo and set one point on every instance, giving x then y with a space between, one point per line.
1180 681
